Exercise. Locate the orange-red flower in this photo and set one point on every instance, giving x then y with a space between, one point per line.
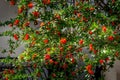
26 37
81 42
113 1
107 59
63 40
95 51
79 15
113 23
20 10
35 14
55 62
47 56
92 8
65 66
117 54
42 24
73 73
12 2
46 2
88 67
104 28
45 41
91 47
15 36
34 56
16 22
90 32
51 61
47 49
53 75
57 16
110 38
38 74
34 65
6 78
61 48
73 60
27 23
91 72
30 5
101 61
10 25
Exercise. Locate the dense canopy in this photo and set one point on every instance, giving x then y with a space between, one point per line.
55 34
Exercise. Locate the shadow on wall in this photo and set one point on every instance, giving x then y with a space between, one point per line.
113 73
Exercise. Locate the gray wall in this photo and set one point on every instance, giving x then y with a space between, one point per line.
7 12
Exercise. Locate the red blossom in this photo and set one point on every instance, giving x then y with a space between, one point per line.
91 47
58 33
65 66
78 15
46 2
88 67
27 23
63 41
115 32
51 61
35 14
10 25
12 71
110 38
30 5
117 54
113 1
42 24
37 32
26 37
81 42
107 59
57 16
12 2
91 8
47 49
53 75
61 48
55 62
95 51
80 49
73 73
38 74
47 56
91 72
15 36
46 41
104 28
6 78
90 32
101 61
70 47
113 23
16 22
73 60
75 12
20 10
